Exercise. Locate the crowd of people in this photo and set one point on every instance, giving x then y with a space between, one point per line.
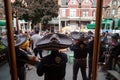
53 66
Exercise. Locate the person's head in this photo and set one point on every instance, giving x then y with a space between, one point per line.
115 37
37 31
75 35
54 42
90 33
21 31
103 33
18 40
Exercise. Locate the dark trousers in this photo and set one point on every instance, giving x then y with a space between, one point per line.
90 68
21 73
110 66
37 50
82 65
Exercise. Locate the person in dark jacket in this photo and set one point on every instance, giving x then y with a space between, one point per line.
80 59
114 53
80 55
23 58
53 66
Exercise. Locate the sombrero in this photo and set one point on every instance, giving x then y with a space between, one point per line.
18 39
115 35
54 41
75 35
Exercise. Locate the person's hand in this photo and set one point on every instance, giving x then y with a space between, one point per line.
33 58
75 42
37 59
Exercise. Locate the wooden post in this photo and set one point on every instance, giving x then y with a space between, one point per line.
97 39
10 38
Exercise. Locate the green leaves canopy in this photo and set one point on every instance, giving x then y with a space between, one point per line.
36 10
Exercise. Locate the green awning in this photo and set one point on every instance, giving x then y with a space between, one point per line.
2 23
91 26
106 23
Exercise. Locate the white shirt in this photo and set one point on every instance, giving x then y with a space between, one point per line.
35 38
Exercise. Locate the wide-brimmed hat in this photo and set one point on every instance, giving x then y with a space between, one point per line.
115 35
54 41
75 35
18 39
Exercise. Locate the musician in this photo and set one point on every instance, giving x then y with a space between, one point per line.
22 57
114 53
53 66
115 50
80 55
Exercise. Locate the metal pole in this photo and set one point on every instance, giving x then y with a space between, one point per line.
97 39
10 37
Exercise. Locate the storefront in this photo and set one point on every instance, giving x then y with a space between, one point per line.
2 26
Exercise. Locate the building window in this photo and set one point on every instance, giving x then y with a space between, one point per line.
73 1
114 2
94 14
63 12
85 13
73 25
86 1
72 12
107 13
113 11
63 23
0 14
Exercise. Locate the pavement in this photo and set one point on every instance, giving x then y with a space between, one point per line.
31 74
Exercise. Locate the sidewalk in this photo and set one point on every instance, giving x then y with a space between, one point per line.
31 74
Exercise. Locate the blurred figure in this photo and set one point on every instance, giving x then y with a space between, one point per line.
80 55
21 56
114 53
26 46
53 66
34 40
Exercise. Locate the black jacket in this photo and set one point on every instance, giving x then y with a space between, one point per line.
53 66
78 51
21 57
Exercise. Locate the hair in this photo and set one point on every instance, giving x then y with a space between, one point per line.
21 31
37 31
115 36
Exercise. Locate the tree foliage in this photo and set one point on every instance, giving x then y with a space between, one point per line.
36 10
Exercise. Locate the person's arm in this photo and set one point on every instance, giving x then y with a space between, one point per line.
27 46
23 56
31 42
